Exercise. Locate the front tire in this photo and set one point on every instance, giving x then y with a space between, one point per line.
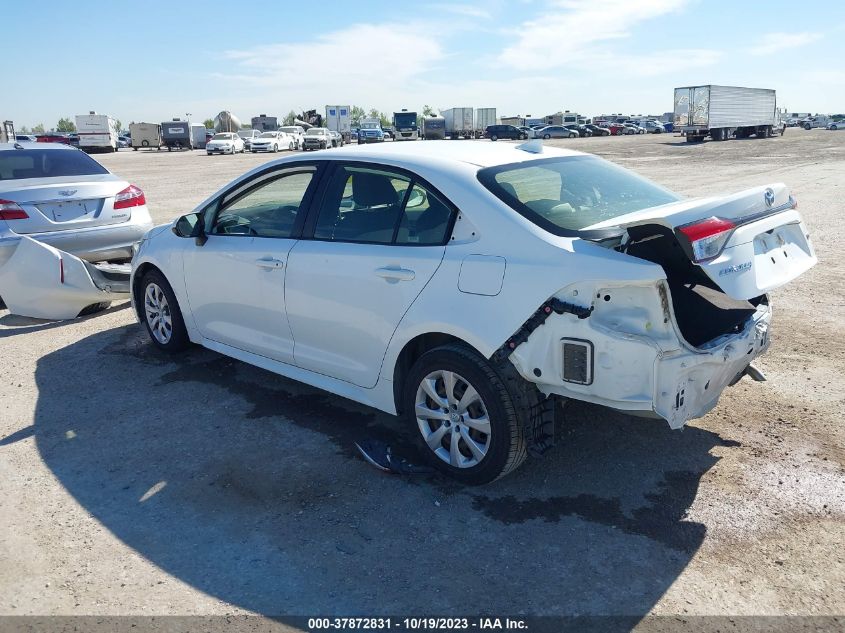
161 314
468 425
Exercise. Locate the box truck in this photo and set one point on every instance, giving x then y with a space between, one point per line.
147 135
459 123
405 126
176 133
339 119
97 132
722 112
483 118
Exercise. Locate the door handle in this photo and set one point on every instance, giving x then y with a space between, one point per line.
395 274
269 263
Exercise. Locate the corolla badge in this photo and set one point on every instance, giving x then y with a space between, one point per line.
68 192
769 197
735 269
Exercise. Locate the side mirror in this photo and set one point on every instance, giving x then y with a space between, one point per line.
191 225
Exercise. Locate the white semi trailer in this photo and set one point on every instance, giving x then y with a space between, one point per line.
339 119
459 122
722 112
483 118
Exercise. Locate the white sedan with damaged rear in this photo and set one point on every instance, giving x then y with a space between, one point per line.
467 288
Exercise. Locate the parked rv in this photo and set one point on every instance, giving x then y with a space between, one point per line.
176 134
339 119
722 112
405 124
434 128
97 132
459 123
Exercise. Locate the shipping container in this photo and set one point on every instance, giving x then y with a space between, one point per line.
198 136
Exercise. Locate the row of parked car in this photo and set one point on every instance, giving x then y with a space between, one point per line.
517 132
286 138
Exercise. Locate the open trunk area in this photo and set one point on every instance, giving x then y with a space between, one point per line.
703 312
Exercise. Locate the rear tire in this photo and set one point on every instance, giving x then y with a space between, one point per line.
494 138
461 418
161 314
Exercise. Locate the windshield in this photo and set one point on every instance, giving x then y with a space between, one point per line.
369 125
268 135
316 131
569 193
47 163
289 129
405 119
223 137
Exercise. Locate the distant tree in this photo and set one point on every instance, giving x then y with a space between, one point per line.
65 125
289 118
209 123
118 125
38 129
428 111
356 114
24 130
381 116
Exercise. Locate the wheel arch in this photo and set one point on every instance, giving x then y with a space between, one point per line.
411 352
135 289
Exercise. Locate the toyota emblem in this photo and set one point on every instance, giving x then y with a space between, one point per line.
769 196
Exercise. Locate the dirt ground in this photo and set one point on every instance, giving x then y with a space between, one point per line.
134 483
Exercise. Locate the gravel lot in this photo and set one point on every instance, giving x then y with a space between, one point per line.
132 483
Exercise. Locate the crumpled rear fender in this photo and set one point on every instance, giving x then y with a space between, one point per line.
38 280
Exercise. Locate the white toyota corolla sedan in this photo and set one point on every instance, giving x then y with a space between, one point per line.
463 285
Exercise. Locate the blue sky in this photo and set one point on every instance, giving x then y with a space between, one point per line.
164 59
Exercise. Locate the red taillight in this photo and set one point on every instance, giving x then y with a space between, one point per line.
129 197
11 211
706 238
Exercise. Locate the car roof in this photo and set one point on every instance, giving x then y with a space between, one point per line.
479 153
57 146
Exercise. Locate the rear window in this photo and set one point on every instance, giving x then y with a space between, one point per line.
567 194
47 163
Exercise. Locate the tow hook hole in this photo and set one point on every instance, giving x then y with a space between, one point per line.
785 254
773 259
706 385
607 297
537 372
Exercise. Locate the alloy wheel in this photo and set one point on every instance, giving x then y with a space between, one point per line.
453 419
157 312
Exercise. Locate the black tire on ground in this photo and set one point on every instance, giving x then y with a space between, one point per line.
547 136
145 143
507 445
807 126
94 308
493 137
179 340
523 137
